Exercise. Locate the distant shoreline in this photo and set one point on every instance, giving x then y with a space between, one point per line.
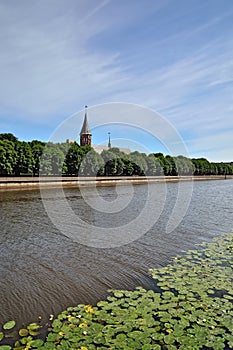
16 183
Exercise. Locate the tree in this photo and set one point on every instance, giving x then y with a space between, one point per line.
64 147
73 159
202 166
92 164
162 165
37 148
229 169
7 157
19 157
114 162
158 155
9 137
24 159
128 166
139 161
171 166
152 165
159 161
52 160
184 165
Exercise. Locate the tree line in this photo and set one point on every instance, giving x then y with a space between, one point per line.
18 158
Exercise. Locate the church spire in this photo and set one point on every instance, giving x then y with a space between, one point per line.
85 134
109 141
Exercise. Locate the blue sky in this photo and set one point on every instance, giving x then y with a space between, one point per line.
170 56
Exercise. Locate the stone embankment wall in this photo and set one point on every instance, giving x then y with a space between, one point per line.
37 182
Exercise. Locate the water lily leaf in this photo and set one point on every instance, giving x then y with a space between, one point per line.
169 339
226 296
9 325
121 337
99 339
23 332
52 337
33 326
1 335
147 347
25 340
47 346
118 294
5 347
57 324
229 337
102 304
33 333
17 344
192 310
36 343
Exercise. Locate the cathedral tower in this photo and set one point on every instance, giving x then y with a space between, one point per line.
85 134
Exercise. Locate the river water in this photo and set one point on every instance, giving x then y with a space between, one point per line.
43 271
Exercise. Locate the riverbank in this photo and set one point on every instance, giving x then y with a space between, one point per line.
11 183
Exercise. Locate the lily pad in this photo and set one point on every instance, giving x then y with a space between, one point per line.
23 332
36 343
33 327
9 325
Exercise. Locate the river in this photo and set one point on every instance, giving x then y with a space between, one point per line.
43 271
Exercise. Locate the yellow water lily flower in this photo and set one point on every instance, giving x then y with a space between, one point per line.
84 324
88 308
169 330
70 318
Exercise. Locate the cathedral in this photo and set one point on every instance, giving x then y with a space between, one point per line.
86 135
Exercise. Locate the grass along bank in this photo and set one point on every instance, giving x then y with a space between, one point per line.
192 310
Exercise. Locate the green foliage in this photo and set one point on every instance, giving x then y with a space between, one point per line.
37 148
74 159
193 310
184 166
31 158
202 166
24 159
8 137
114 162
9 325
152 165
8 157
23 332
139 161
92 164
52 159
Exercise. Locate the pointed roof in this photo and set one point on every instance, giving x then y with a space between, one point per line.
109 141
85 128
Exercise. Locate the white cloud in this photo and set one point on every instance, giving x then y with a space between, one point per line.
215 147
49 68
